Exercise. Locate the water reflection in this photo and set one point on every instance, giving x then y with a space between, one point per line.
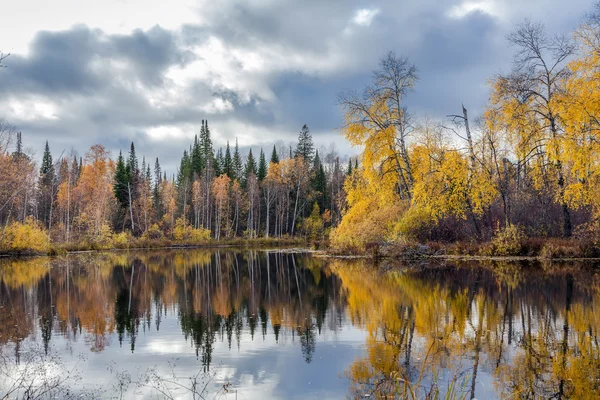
493 330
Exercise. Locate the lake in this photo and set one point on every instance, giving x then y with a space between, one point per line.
244 324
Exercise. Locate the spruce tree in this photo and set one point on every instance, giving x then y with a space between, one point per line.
218 162
47 174
305 148
250 165
122 180
349 170
133 162
47 182
228 163
319 181
156 191
206 145
237 162
274 156
262 166
196 156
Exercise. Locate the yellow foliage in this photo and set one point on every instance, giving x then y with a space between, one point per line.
183 231
28 236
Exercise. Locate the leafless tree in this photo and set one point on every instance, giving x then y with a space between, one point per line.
3 56
540 66
381 105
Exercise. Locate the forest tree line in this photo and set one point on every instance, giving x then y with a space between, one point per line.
215 194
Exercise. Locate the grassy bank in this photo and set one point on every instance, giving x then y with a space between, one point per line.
505 247
143 243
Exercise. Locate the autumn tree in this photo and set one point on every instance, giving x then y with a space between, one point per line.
527 100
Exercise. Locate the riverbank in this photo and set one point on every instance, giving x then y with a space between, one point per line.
500 248
146 244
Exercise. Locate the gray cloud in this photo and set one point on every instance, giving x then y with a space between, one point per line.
256 70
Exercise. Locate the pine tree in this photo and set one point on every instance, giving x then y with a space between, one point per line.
349 170
250 165
262 166
122 182
206 146
183 173
133 162
305 148
47 182
197 157
228 163
319 181
274 156
218 163
156 191
237 163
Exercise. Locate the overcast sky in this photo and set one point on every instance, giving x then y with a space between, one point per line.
112 71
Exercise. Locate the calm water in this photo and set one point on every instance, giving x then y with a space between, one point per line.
258 324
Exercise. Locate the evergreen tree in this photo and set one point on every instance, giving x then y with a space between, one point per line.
133 162
196 155
228 163
349 170
356 163
237 163
319 181
250 165
274 156
19 149
18 153
46 185
305 148
206 146
122 180
156 191
47 168
262 166
218 163
184 172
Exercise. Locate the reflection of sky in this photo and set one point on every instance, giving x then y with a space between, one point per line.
260 368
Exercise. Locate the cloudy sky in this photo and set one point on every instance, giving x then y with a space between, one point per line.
112 71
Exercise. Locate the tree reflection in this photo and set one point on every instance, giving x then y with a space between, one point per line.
432 331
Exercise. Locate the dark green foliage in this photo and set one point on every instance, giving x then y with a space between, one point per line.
319 182
122 180
47 185
274 156
197 158
227 163
218 163
262 166
237 163
47 168
185 171
250 165
305 148
132 163
349 170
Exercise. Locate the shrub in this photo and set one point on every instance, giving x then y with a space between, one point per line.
365 223
23 237
121 240
153 233
508 241
199 235
415 224
104 237
181 229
